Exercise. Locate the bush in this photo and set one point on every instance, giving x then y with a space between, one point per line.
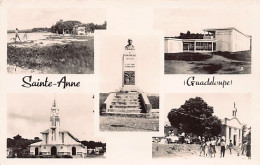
240 56
187 56
73 58
154 100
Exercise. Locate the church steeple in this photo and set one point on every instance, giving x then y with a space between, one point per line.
54 118
234 112
54 124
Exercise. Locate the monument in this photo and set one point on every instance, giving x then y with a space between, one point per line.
129 99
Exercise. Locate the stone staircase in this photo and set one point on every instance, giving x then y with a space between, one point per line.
125 103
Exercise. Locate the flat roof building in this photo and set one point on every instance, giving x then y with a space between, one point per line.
222 39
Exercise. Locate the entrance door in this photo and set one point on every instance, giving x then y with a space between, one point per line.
235 140
53 150
73 150
36 151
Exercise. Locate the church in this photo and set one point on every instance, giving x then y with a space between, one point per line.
232 128
58 141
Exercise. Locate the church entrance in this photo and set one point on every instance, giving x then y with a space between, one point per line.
53 150
73 150
36 151
235 140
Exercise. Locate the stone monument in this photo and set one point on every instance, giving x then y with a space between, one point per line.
129 99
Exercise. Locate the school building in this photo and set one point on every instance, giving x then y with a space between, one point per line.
222 39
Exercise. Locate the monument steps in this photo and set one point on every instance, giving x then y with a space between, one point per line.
133 115
124 110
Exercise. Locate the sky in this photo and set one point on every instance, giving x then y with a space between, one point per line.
28 18
29 114
223 104
147 48
175 21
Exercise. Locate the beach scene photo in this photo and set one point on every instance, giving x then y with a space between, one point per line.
60 43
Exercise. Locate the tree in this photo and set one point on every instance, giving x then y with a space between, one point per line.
61 26
195 116
90 27
20 146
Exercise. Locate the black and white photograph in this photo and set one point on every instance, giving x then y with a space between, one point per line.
52 126
206 41
205 126
129 98
52 41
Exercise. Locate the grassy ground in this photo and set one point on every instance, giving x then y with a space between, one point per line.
75 57
240 56
217 64
118 123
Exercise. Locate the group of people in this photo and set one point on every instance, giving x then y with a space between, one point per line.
208 147
17 35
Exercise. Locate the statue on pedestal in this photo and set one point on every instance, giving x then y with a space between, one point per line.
129 46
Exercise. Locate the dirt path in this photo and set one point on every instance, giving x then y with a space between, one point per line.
190 151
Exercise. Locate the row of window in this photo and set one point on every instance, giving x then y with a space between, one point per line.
200 46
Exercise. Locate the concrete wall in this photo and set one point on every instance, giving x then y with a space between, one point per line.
108 101
224 40
173 46
240 42
232 41
146 103
61 150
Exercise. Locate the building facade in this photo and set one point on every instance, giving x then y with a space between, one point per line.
223 39
79 30
57 141
232 129
230 39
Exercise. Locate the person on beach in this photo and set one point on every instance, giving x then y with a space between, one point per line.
17 35
25 36
222 148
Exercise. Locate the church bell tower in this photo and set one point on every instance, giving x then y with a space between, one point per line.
234 112
54 124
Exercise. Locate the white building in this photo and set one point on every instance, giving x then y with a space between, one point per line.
230 39
57 141
223 39
79 29
232 129
173 45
